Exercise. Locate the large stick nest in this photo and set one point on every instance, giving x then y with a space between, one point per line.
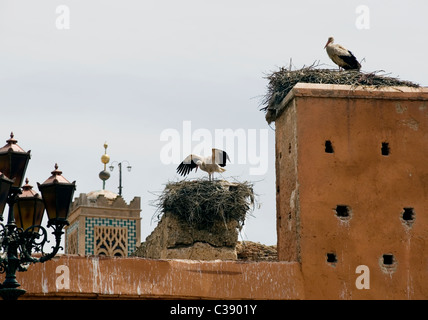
282 81
202 203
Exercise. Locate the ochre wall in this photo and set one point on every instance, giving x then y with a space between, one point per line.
310 184
376 188
137 278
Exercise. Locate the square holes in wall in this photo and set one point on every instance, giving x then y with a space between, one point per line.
343 212
328 147
388 259
408 216
385 149
331 258
388 263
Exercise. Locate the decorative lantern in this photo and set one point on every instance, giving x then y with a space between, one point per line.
57 193
14 161
28 208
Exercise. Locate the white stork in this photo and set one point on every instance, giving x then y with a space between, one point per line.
341 56
213 163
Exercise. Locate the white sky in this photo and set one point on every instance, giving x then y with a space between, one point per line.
127 70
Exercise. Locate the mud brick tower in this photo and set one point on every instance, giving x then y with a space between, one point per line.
352 189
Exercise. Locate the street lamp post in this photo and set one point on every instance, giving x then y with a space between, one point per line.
23 233
119 164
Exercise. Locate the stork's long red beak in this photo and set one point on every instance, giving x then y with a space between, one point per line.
327 44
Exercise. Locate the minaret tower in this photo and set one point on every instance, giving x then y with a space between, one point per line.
102 223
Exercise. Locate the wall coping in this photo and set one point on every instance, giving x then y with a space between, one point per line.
317 90
96 277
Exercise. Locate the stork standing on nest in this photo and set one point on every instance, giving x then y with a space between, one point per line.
341 56
213 163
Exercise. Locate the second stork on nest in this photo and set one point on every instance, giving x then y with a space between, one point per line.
341 56
213 163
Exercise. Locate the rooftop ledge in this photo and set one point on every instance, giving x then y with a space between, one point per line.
317 90
95 277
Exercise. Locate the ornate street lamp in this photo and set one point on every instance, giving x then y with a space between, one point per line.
119 164
23 233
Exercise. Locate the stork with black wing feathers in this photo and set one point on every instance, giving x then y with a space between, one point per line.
213 163
341 56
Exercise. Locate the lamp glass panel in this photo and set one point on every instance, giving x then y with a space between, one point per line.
38 214
49 198
57 199
14 165
4 192
18 168
64 197
28 212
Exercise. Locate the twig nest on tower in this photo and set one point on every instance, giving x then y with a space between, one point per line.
282 81
202 203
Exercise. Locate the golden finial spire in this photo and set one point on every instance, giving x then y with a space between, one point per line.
105 158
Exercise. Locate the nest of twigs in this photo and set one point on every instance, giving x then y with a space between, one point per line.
282 81
202 203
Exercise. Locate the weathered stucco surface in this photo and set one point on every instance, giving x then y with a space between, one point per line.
138 278
176 239
374 188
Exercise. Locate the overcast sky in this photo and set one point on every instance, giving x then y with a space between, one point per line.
125 72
